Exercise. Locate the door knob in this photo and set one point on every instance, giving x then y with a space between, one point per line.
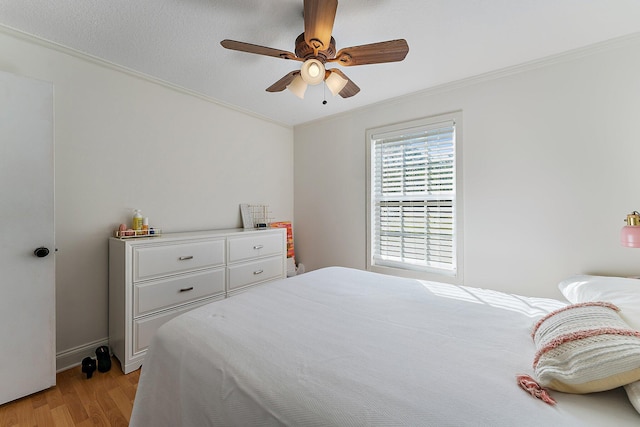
41 252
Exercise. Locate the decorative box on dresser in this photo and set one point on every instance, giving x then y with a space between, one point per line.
154 279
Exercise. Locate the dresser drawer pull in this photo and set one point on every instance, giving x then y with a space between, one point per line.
256 247
183 258
258 272
190 288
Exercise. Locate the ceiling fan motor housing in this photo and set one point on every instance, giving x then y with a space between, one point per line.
303 50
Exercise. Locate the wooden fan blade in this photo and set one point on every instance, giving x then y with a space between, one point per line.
319 16
350 89
260 50
282 84
374 53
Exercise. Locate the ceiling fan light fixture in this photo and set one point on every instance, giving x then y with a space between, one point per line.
312 71
335 82
298 86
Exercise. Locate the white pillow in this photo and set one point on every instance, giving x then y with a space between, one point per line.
633 391
621 291
586 348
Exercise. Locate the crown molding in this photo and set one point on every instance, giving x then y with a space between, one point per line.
563 57
615 43
31 38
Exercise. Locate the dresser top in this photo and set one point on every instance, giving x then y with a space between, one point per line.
203 234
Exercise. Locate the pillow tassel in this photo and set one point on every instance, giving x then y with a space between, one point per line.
531 386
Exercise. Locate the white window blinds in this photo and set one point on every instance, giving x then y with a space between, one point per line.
413 190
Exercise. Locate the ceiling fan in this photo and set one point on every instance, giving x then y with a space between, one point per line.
315 47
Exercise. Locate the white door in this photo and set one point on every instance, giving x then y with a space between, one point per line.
27 281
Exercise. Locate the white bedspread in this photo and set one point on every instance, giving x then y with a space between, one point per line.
343 347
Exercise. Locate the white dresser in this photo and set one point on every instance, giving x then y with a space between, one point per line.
152 280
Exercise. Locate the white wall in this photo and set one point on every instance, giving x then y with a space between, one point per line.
550 156
124 142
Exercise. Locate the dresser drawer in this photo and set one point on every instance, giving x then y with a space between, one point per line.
144 328
156 261
255 271
256 245
164 293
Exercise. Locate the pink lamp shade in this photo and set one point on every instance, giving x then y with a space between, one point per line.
630 233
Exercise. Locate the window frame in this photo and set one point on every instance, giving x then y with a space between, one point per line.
425 273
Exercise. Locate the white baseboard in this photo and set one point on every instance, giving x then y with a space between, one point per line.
73 357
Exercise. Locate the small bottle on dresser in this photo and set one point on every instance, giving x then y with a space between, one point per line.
137 222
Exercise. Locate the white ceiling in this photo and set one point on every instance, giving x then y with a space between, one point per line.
178 41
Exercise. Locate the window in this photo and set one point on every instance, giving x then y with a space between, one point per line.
413 214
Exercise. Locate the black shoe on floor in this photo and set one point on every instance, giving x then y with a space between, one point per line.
104 358
88 366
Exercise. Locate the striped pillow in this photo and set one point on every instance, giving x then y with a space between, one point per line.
585 348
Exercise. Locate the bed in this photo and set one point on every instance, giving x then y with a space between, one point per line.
344 347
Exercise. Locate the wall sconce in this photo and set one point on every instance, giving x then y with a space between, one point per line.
630 233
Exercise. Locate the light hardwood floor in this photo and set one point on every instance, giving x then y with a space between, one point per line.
106 399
